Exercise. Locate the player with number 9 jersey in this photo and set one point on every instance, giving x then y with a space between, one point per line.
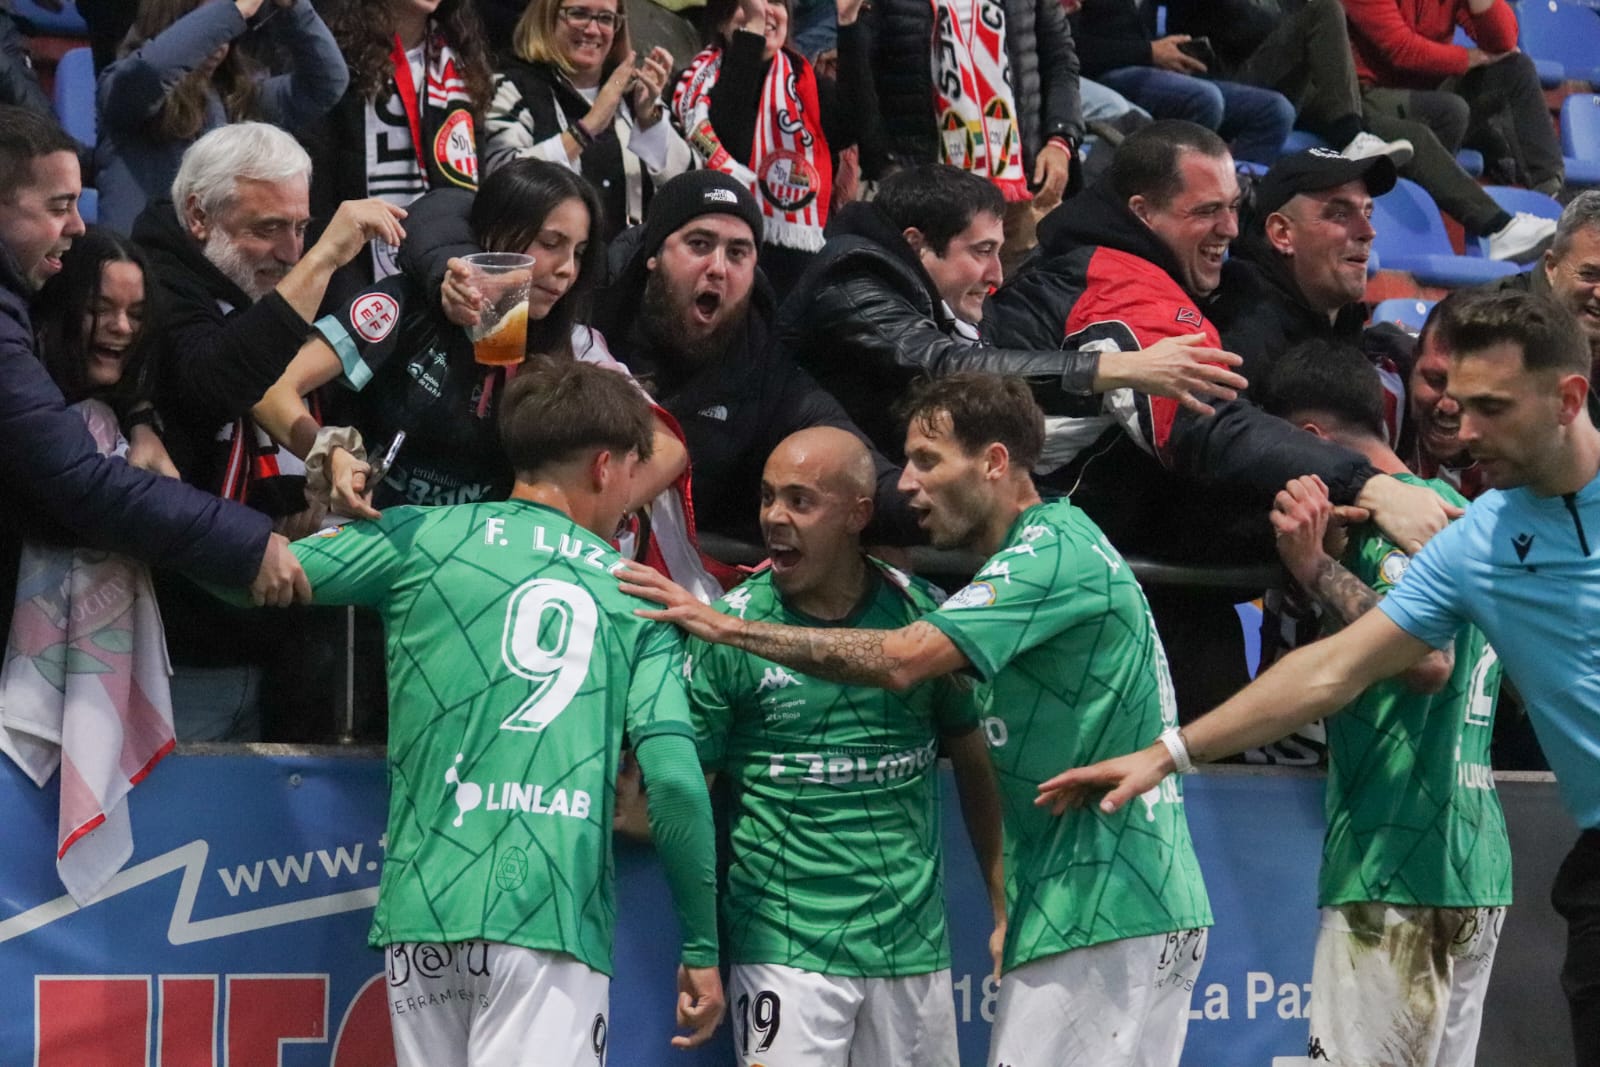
514 667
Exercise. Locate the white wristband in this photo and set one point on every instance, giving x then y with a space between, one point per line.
1172 737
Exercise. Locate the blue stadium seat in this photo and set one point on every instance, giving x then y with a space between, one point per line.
74 95
1471 161
1301 140
64 23
89 206
1551 73
1412 238
1514 200
1564 34
1405 311
1580 138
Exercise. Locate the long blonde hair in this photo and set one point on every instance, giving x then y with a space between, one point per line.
182 115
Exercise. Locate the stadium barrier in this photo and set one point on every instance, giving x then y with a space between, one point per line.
236 934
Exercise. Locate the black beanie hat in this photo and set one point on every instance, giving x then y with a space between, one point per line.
692 194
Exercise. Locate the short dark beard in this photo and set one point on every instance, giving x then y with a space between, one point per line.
664 324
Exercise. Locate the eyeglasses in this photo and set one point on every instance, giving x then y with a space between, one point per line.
580 17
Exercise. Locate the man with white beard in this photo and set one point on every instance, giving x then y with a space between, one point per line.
237 296
236 300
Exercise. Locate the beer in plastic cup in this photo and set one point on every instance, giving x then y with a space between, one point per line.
504 280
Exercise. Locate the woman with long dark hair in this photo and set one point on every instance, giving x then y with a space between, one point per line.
752 107
184 72
574 93
91 322
415 370
419 87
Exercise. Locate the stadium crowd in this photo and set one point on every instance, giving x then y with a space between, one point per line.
1034 279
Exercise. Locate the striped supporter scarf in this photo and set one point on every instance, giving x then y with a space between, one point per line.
789 172
972 93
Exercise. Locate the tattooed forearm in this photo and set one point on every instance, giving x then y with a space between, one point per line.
1342 594
852 657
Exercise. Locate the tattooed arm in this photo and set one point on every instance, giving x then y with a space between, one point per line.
1301 515
886 659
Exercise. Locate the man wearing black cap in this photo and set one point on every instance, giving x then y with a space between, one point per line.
1124 264
1298 270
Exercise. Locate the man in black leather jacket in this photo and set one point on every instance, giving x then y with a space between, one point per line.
898 291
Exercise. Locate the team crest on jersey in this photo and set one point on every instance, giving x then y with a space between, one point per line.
374 316
1188 316
1393 567
976 595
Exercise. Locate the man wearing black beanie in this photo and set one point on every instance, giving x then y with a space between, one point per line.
687 309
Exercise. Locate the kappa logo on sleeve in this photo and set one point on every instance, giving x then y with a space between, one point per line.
374 315
1188 316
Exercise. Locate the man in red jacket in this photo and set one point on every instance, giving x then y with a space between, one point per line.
1487 94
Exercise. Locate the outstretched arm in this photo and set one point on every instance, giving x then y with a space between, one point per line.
1305 685
885 659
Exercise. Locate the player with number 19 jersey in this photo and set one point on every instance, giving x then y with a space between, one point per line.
1058 630
834 834
515 665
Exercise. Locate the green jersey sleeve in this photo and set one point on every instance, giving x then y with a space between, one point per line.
658 699
709 708
359 562
1026 594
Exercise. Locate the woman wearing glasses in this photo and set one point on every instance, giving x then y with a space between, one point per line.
575 93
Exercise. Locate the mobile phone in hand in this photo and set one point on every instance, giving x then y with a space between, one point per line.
1200 48
381 467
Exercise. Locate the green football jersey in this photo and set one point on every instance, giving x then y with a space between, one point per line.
1072 671
834 816
1413 815
515 663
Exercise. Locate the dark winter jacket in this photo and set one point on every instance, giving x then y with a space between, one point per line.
867 321
1261 312
734 410
59 487
213 365
1044 77
1160 479
1113 34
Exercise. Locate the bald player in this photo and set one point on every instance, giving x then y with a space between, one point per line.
834 907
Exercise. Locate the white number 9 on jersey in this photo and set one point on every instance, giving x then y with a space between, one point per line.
563 615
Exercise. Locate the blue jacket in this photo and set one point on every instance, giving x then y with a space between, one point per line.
134 164
57 486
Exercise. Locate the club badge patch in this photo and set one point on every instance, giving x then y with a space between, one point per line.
374 315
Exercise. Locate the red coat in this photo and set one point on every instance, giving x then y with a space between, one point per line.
1406 44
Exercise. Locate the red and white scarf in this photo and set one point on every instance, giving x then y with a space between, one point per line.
789 171
972 93
419 132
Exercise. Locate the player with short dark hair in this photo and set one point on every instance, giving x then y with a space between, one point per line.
1107 917
515 666
1521 566
1416 858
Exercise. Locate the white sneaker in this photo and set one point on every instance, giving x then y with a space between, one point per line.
1521 239
1367 145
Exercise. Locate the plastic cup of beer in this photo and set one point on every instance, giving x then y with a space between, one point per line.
504 280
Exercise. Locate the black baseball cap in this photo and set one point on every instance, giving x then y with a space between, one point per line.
1317 169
